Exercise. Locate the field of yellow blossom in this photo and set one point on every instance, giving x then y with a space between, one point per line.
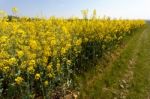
40 56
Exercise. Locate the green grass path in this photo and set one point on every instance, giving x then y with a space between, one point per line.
127 77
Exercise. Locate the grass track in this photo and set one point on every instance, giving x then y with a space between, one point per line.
125 76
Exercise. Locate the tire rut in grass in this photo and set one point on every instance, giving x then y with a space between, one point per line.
124 82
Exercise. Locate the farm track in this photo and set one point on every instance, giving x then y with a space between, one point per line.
127 77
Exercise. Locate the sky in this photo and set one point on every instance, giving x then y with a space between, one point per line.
132 9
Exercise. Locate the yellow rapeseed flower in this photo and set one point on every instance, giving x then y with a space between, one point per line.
58 67
49 67
37 76
46 83
78 42
20 54
63 51
30 70
32 63
68 62
6 69
18 80
53 42
12 61
33 44
3 39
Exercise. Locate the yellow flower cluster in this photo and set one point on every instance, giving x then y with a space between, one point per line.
48 49
18 80
37 76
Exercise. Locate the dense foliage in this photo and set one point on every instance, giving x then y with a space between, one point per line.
37 56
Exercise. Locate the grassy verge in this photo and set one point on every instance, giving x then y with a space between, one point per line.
140 85
103 81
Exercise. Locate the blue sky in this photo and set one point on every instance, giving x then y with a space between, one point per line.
66 8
